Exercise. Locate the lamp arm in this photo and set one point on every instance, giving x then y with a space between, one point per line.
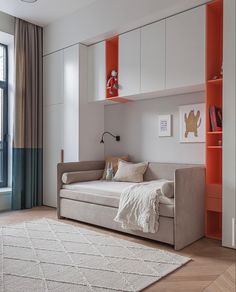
116 137
109 134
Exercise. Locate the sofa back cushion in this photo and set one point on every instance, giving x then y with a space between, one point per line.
158 170
130 172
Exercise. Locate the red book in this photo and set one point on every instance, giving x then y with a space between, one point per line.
216 118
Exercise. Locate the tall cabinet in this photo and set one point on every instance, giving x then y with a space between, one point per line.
53 111
72 125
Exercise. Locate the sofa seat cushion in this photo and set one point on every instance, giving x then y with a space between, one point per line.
108 193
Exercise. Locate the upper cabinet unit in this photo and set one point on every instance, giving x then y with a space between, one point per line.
129 63
97 72
153 57
164 58
185 49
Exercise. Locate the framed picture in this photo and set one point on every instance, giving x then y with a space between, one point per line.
164 126
192 123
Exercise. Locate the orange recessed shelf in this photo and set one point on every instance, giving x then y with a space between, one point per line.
112 63
214 57
214 147
118 99
215 132
215 81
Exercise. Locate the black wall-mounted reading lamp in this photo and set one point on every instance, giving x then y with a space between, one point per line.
116 137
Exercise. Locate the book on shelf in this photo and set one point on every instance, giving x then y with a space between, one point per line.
215 118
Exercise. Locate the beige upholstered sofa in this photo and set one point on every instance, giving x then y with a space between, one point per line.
93 201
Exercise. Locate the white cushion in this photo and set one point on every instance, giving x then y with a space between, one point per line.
167 189
130 172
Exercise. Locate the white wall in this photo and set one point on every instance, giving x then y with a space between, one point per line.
7 23
229 111
137 124
102 19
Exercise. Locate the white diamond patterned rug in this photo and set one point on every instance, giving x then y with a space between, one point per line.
47 255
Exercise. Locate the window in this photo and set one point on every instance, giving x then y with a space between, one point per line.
3 115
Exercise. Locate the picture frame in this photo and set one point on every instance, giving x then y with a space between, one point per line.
164 126
192 123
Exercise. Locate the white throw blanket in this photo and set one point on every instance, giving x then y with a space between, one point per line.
139 206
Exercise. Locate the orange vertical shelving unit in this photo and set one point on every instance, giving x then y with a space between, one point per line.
214 83
112 63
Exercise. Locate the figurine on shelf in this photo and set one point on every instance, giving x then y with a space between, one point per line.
112 83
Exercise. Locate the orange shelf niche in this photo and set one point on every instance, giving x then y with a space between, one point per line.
112 63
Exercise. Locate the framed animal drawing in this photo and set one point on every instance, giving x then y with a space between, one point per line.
192 123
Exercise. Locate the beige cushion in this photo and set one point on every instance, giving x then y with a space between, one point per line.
167 189
130 172
108 193
78 176
114 161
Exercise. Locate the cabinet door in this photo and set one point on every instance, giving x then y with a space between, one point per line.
53 143
96 72
71 104
53 78
129 63
153 57
185 48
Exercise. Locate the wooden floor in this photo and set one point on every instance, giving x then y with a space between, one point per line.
212 268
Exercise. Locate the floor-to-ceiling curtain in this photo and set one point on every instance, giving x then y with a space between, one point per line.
28 117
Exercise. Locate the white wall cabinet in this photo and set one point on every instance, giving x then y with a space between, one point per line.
71 104
153 57
53 78
53 144
96 72
71 123
129 63
164 58
52 124
185 49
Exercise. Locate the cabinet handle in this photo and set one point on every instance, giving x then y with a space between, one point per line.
62 155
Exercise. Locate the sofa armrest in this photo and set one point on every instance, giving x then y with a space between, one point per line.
73 167
189 205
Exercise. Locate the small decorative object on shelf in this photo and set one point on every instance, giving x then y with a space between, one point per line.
220 143
112 83
109 174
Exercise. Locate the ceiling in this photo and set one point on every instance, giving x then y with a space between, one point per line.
42 12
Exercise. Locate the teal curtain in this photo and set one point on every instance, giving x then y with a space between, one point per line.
28 117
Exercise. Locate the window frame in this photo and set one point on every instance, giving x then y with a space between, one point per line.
4 86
